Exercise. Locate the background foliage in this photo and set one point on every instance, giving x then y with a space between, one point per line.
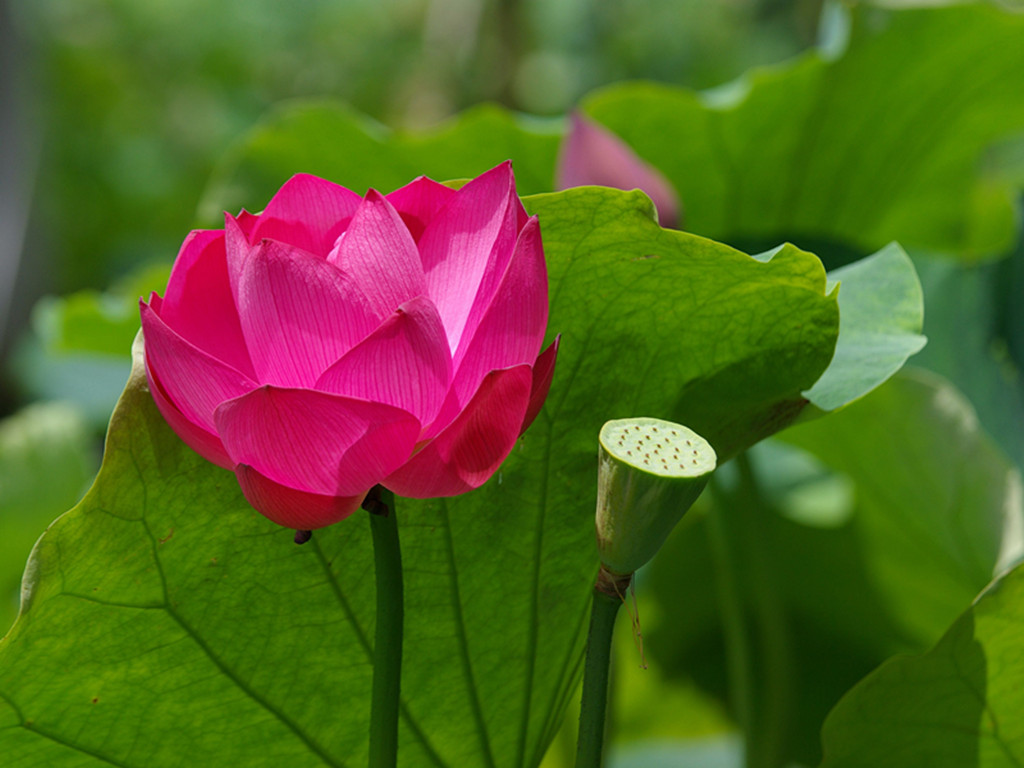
816 557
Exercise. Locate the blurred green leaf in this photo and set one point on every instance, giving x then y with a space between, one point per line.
910 134
46 461
331 140
963 303
98 323
79 346
883 143
90 382
801 488
939 507
937 511
839 154
89 321
816 151
706 753
957 705
163 594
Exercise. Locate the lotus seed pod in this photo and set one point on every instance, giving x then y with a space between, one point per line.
649 474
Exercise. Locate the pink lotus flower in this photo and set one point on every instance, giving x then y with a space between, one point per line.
335 342
591 154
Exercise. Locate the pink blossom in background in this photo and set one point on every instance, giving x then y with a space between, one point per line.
592 155
334 342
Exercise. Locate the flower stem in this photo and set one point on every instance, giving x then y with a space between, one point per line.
387 649
608 596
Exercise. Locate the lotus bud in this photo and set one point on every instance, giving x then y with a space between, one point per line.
591 154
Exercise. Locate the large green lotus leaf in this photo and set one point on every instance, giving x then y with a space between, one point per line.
886 142
957 705
927 511
333 141
164 618
730 338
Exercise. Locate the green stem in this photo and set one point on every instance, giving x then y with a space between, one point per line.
608 596
387 648
773 641
734 624
758 647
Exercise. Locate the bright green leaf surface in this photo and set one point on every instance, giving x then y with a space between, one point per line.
165 618
957 706
881 312
882 144
726 334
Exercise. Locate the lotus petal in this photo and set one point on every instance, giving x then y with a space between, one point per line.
332 343
419 201
405 363
308 212
593 155
473 236
291 507
299 314
543 373
195 381
316 441
473 446
199 304
511 329
378 254
205 443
